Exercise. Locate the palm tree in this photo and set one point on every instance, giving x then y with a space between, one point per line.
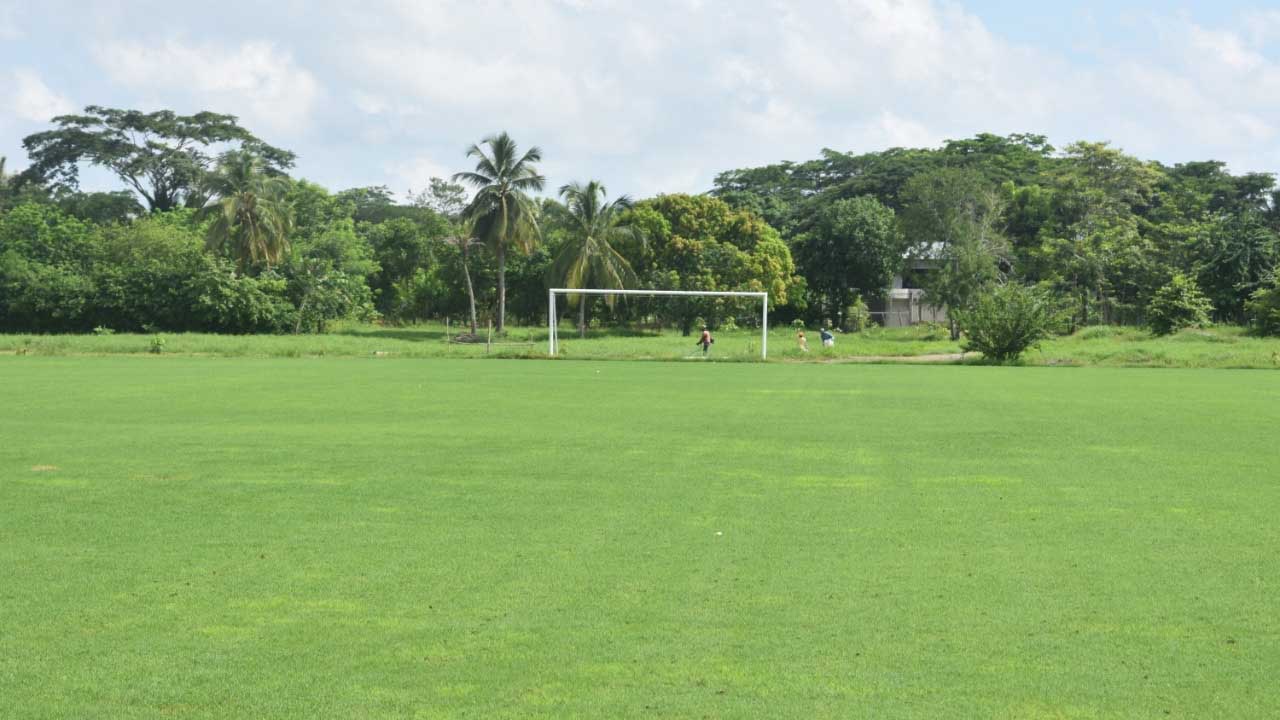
251 215
465 241
589 257
502 213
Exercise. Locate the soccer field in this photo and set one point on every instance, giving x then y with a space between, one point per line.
212 537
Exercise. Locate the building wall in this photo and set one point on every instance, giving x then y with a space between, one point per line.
905 307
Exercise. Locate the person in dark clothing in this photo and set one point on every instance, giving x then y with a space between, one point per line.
828 340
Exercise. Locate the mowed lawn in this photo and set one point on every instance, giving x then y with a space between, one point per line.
360 538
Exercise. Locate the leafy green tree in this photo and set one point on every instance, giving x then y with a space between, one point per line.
1263 309
502 213
46 270
101 208
1233 256
466 244
327 277
589 257
162 156
248 211
1178 305
853 247
143 273
1096 240
406 252
1004 320
446 198
951 219
697 242
315 209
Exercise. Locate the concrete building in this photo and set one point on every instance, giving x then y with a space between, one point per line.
905 303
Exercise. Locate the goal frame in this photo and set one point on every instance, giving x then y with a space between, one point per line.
553 339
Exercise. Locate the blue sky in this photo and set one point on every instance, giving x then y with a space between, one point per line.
656 96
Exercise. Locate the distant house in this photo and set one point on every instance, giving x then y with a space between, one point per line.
904 302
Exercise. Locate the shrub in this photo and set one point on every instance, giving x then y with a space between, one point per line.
797 324
933 331
1178 305
857 316
157 345
1263 310
1005 320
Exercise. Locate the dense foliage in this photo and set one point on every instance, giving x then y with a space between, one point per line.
230 243
1003 321
1091 223
1264 310
1178 305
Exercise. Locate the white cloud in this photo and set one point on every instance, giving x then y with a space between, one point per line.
416 172
254 80
661 96
35 101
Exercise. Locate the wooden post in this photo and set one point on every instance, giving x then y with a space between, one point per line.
488 338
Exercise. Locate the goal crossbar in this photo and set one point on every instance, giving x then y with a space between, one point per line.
553 339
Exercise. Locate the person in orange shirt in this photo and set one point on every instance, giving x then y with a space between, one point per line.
802 341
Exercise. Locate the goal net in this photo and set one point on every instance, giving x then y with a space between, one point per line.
657 323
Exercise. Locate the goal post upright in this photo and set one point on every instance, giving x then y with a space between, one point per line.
553 344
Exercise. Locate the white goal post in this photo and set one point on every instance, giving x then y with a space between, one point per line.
553 339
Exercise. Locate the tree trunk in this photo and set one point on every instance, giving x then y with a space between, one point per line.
471 293
502 288
302 311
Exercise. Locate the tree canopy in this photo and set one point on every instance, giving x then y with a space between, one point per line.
160 155
209 232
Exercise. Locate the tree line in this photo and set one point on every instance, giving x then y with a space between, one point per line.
210 233
1100 231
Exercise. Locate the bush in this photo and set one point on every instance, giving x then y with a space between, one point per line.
857 316
1263 310
797 324
931 331
1178 305
1005 320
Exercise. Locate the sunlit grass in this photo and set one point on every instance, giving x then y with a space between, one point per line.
1221 347
211 537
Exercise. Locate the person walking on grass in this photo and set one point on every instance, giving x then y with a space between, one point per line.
705 340
802 341
828 340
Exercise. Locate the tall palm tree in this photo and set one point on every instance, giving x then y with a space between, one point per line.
589 257
251 215
465 241
502 213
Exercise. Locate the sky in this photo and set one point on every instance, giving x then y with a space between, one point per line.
655 96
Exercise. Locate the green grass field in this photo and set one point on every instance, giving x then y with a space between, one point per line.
1102 346
359 538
